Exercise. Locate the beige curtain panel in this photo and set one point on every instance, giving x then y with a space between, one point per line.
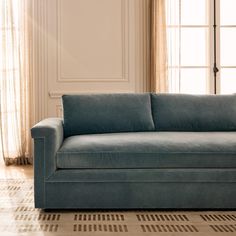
159 69
15 74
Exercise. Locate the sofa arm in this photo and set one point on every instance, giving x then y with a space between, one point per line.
48 137
48 127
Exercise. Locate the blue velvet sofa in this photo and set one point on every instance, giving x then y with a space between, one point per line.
132 151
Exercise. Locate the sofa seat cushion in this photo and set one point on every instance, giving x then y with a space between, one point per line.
149 150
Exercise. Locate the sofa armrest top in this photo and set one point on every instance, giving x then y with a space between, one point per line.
47 127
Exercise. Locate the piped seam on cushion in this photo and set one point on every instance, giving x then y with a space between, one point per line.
147 152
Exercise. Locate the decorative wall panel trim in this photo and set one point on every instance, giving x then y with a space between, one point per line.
59 111
131 66
39 51
142 31
147 46
58 94
125 50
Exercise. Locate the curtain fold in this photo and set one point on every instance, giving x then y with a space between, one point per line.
15 74
159 67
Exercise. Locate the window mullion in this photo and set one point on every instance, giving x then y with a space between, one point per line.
212 56
180 43
218 64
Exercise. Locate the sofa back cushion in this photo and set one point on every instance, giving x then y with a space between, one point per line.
181 112
107 113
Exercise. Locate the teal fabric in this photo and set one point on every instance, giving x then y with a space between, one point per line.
106 113
140 195
149 150
179 112
48 138
145 175
108 168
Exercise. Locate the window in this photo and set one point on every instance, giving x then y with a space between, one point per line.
226 57
194 46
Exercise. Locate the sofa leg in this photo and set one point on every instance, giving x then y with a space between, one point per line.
47 210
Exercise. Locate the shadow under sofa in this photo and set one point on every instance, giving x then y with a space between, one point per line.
137 151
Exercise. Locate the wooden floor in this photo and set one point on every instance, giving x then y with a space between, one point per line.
15 172
19 217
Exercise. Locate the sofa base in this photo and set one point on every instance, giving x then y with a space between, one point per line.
140 196
138 189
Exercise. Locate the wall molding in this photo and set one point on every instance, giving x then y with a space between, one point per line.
59 111
47 89
142 69
58 94
125 50
40 60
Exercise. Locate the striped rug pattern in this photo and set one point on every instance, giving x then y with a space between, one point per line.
19 217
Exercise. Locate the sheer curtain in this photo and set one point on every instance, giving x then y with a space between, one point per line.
15 77
159 67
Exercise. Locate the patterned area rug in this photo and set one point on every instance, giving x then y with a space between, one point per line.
19 217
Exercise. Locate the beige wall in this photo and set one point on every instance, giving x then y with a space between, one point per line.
88 46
